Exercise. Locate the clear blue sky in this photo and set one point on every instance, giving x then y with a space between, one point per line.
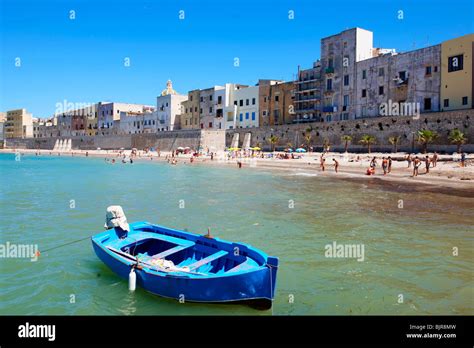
82 60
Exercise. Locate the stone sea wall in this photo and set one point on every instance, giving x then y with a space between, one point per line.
381 127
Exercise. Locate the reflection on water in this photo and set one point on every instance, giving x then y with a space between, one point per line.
408 250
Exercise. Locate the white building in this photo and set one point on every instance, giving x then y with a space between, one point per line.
136 123
169 108
242 108
110 112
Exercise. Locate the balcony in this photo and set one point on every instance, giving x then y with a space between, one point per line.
330 108
329 70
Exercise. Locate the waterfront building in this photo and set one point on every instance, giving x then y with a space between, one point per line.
308 93
244 100
3 117
137 123
403 84
18 124
457 65
339 55
45 128
278 100
190 107
108 112
169 107
208 106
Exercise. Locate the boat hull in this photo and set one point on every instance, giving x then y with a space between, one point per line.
255 287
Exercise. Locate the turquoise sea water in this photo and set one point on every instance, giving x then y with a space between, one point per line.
408 251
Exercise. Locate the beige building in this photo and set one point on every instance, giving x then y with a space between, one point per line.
19 124
190 114
457 65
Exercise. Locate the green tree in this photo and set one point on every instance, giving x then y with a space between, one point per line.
346 139
395 141
458 138
368 140
425 137
273 140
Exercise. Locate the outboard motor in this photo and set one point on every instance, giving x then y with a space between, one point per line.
115 218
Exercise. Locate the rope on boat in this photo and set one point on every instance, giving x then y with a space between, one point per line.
65 244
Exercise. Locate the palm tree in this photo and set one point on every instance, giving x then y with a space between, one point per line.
425 137
273 140
346 139
395 140
308 139
458 138
326 144
368 140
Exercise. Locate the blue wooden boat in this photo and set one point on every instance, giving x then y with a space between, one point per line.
187 266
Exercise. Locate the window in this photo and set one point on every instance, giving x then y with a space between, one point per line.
402 75
235 102
264 113
446 103
364 74
428 70
345 116
455 63
264 99
219 99
346 100
246 115
328 118
210 97
381 72
277 98
330 46
329 84
330 63
190 98
464 100
210 110
253 101
253 116
241 117
427 104
346 80
202 99
241 102
210 124
380 90
247 102
435 69
364 93
200 110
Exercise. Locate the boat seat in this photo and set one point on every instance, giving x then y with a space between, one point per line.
241 267
168 252
207 259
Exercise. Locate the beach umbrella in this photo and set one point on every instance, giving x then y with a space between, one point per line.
98 148
256 148
234 149
187 148
180 148
300 149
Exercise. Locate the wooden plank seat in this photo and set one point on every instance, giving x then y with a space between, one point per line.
241 267
207 259
168 252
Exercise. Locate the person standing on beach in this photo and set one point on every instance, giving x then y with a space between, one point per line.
322 162
435 159
416 165
336 164
409 160
463 159
427 164
389 164
239 164
384 165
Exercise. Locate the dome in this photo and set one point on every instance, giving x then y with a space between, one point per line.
169 89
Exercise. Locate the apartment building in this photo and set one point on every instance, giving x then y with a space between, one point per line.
18 124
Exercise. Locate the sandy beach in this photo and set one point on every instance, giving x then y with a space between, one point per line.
447 177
